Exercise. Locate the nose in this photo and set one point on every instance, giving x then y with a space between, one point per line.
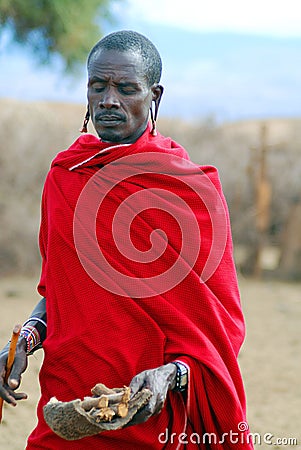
109 99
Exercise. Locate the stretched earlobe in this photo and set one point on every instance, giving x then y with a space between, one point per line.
84 128
153 131
157 94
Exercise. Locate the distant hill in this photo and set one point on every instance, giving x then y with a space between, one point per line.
222 75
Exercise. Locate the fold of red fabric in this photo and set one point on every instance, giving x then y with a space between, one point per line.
138 271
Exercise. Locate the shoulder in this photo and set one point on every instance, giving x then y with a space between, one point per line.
212 173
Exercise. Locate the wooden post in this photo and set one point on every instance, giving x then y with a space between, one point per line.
262 192
290 260
262 201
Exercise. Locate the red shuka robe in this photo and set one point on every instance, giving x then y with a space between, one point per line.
114 219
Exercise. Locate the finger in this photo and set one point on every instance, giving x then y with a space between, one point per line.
21 396
154 406
18 368
17 395
158 406
14 382
11 396
141 416
137 383
156 403
5 395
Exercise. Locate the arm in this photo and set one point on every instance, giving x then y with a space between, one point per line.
35 328
32 335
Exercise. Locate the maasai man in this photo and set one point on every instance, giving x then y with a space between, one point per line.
138 279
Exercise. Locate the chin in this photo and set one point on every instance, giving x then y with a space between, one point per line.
109 136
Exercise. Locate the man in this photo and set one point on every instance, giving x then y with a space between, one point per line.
138 274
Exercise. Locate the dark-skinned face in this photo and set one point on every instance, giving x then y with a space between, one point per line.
119 96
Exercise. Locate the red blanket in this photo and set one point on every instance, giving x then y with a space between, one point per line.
137 272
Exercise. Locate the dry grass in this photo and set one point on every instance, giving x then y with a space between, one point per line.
270 360
32 134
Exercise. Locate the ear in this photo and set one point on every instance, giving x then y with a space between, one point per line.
157 92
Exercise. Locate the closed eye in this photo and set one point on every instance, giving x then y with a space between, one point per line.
127 89
98 87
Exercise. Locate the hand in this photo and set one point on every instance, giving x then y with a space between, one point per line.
159 381
7 391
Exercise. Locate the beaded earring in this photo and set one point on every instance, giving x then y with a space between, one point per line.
84 128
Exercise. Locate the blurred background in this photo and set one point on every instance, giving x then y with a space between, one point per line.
231 72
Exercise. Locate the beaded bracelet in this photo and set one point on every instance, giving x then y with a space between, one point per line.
181 376
37 319
32 337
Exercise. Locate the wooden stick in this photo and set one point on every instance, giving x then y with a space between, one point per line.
10 358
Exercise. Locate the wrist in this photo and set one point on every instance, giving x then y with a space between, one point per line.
32 338
34 333
172 374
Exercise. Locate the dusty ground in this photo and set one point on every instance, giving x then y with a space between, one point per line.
270 361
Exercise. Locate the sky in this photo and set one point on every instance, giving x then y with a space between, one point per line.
270 17
229 60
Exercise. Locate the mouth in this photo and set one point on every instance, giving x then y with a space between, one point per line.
108 120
